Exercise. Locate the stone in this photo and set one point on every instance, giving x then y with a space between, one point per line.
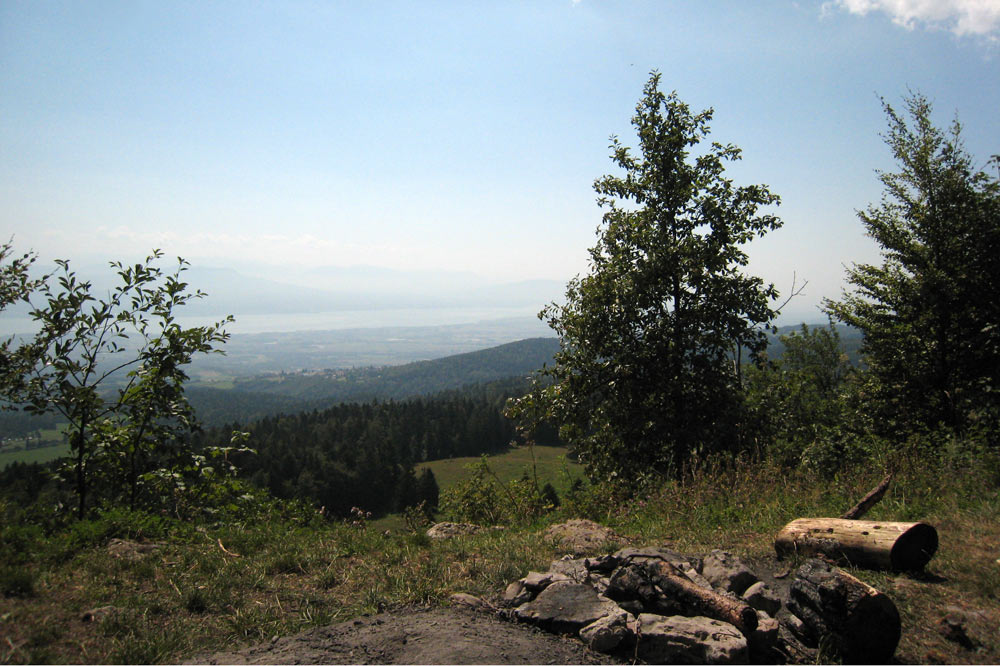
606 633
566 607
450 530
764 640
640 555
726 572
575 569
463 599
536 582
761 597
580 536
692 575
517 594
689 640
798 629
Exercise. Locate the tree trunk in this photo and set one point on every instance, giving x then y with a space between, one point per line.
845 615
862 543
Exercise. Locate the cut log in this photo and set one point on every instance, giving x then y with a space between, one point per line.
868 501
699 600
862 543
846 615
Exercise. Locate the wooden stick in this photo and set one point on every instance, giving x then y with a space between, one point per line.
869 500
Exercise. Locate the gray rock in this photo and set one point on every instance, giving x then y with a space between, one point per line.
517 594
536 582
692 574
764 640
640 555
463 599
726 572
575 569
689 640
761 597
565 608
607 633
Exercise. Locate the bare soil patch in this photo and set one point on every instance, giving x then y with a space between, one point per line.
452 635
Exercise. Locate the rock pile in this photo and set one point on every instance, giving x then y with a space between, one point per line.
660 606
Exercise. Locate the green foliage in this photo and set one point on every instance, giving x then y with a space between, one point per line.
16 581
485 500
930 310
648 371
113 369
800 400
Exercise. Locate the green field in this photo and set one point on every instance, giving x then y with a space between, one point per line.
551 464
34 455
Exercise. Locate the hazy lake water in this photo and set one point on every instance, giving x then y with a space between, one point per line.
329 321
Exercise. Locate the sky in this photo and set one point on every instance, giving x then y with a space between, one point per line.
459 136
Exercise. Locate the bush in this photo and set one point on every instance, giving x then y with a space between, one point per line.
17 582
483 499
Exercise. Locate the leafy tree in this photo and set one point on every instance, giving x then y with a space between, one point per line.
113 368
16 285
800 399
649 367
930 312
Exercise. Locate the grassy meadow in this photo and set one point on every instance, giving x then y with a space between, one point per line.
214 587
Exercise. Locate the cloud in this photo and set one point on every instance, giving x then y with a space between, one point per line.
979 18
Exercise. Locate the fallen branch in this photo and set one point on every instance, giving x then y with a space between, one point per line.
679 587
868 501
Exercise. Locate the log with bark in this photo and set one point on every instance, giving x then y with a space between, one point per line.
862 543
659 587
703 601
845 615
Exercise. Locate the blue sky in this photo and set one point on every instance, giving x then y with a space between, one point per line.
464 136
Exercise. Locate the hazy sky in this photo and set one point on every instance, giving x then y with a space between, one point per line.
457 135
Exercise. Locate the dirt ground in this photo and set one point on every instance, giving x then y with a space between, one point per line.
453 635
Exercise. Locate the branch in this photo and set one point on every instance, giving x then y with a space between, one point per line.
793 293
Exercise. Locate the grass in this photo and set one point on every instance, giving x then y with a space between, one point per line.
192 597
550 462
42 455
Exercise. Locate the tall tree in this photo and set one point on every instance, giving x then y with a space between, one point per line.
648 370
930 311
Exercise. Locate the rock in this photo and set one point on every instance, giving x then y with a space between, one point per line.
576 569
640 555
565 608
764 640
536 582
633 589
692 574
761 597
798 629
726 572
97 614
463 599
607 633
449 530
517 594
689 640
579 536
